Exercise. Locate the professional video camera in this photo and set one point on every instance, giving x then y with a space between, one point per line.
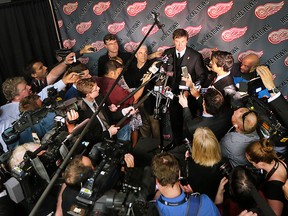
55 102
131 199
269 126
107 176
30 178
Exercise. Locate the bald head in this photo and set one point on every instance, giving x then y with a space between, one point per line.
249 63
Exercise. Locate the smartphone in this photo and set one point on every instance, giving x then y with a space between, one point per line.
184 72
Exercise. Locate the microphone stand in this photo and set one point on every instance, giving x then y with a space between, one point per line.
85 130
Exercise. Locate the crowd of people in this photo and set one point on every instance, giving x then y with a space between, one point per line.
220 160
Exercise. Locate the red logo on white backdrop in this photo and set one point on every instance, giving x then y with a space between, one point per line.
60 23
99 8
175 8
233 33
206 52
163 48
83 27
146 28
131 46
136 8
68 44
276 37
98 45
84 60
286 61
193 30
247 52
263 11
114 28
70 8
219 9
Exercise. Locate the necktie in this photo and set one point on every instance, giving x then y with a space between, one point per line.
101 116
178 56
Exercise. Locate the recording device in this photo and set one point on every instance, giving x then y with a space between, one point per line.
184 72
182 84
105 177
131 199
74 59
269 126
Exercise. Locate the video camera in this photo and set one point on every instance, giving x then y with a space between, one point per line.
268 125
98 194
30 177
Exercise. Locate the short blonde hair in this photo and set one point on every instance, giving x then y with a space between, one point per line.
206 149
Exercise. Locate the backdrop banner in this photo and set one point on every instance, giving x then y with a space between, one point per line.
240 27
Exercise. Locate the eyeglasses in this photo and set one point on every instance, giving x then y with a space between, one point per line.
244 117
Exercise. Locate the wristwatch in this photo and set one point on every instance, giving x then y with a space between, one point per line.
274 90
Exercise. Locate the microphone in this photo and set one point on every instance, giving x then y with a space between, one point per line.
157 22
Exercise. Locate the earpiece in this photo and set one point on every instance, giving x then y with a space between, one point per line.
235 125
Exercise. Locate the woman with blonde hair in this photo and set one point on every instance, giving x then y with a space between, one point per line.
262 156
203 166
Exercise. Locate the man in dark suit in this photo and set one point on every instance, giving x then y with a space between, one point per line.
101 126
182 56
212 117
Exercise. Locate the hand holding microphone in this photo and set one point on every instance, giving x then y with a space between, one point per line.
153 69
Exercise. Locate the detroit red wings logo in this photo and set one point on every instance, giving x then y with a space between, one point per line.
233 33
136 8
193 30
247 52
83 27
263 11
98 45
276 37
99 8
131 46
60 23
69 43
70 8
146 28
163 48
175 8
114 28
219 9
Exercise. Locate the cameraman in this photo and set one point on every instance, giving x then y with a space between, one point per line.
173 200
76 174
15 89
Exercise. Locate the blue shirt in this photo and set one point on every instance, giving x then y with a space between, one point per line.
207 207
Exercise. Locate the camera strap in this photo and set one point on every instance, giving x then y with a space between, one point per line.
272 171
173 203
